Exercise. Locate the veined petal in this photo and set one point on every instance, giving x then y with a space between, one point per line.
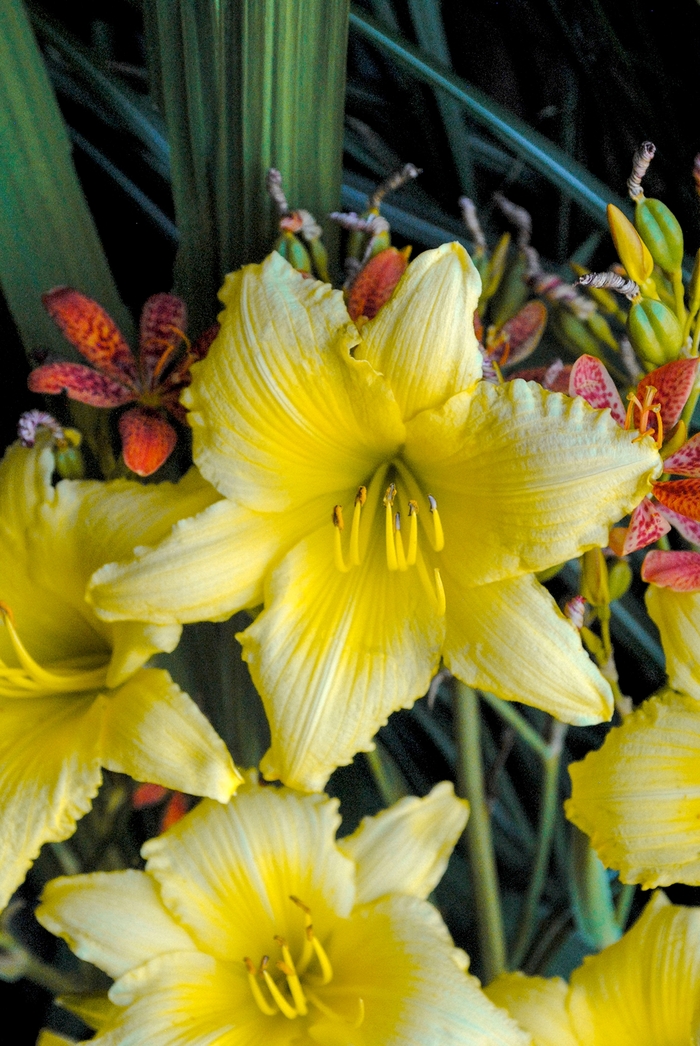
511 638
673 383
92 332
155 732
49 774
397 956
208 567
81 383
423 339
148 440
526 478
333 654
679 571
638 797
590 379
280 410
642 990
405 849
163 323
686 460
227 872
115 920
133 643
677 617
538 1004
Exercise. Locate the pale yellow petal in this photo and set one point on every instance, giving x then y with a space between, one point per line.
333 654
154 732
510 637
405 849
423 339
52 1038
280 411
638 796
25 484
643 990
133 643
49 774
538 1004
677 617
526 478
227 872
94 1008
397 956
115 920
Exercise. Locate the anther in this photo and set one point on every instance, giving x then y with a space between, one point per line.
338 549
398 541
391 560
267 1008
360 499
439 535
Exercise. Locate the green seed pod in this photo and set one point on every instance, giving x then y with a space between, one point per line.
619 579
319 255
655 333
293 250
573 334
661 233
601 328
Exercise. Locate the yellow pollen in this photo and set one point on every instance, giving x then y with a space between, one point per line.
412 533
400 557
339 526
439 535
258 996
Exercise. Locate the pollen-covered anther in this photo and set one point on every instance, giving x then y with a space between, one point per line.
645 408
439 542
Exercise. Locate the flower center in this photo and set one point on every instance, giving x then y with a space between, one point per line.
32 680
290 987
646 407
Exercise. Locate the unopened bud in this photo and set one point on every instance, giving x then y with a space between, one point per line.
293 250
575 610
594 578
655 333
660 231
619 579
631 249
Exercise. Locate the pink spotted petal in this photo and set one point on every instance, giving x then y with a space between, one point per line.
148 440
673 383
524 331
81 383
646 526
677 570
590 379
93 333
163 323
681 495
686 460
687 528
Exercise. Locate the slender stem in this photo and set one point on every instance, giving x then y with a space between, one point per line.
623 904
470 778
511 715
679 296
387 776
545 836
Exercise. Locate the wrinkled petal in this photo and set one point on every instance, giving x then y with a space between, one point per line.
397 956
646 526
227 872
686 460
81 383
510 637
526 478
681 495
280 411
679 571
538 1004
673 383
161 330
590 378
405 849
133 643
49 774
642 990
333 654
148 440
155 732
638 797
92 332
423 339
115 920
677 617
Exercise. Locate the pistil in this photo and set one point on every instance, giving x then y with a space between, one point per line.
391 560
360 499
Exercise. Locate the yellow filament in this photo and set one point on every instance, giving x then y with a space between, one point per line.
333 1016
360 499
359 1020
439 535
267 1008
287 968
412 533
391 560
436 594
323 960
307 951
338 550
400 557
286 1008
441 602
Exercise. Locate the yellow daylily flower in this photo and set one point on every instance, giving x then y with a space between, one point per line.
252 926
389 508
74 695
641 991
638 796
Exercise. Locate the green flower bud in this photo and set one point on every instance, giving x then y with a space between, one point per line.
655 333
293 250
601 328
661 233
619 579
574 335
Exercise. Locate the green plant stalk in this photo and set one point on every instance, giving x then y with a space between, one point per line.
388 778
545 836
47 235
470 778
623 904
511 716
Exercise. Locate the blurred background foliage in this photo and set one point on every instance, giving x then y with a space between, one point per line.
542 100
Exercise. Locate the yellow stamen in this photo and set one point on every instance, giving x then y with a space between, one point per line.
336 1017
286 1008
323 960
338 550
391 560
360 499
307 951
267 1008
439 535
436 594
441 601
412 533
287 968
400 557
359 1020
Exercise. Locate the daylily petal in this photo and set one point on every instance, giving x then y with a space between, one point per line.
49 774
163 322
92 332
133 643
646 526
681 495
405 849
538 1004
281 412
677 617
81 383
679 571
52 1038
687 528
673 383
423 339
398 958
638 797
148 440
155 732
115 920
333 654
510 637
686 460
227 872
526 478
642 990
590 378
94 1008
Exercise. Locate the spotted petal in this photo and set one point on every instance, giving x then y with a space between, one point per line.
681 495
679 571
376 282
524 331
646 526
163 323
148 440
686 460
81 383
93 333
673 383
687 528
589 378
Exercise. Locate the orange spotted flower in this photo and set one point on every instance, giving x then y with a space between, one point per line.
153 382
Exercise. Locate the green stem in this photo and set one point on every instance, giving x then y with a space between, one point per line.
387 776
470 779
511 715
679 296
545 836
623 904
